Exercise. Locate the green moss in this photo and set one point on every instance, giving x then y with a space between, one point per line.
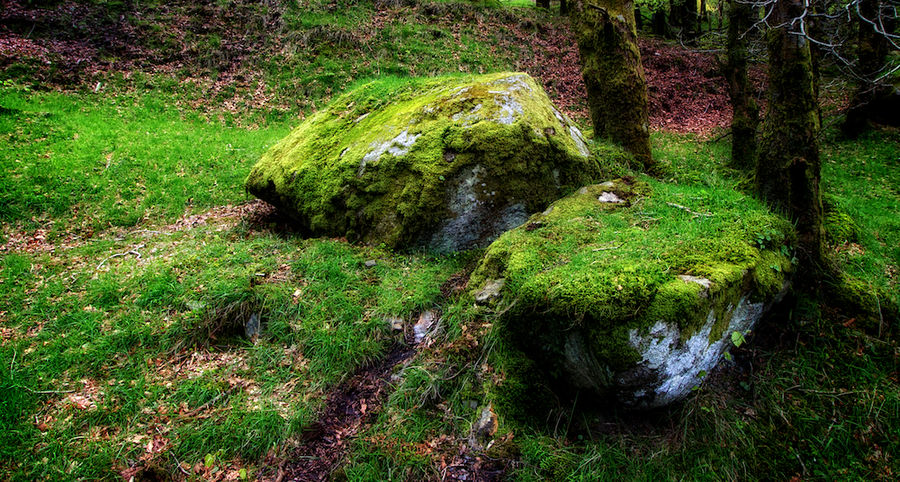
840 227
677 300
380 162
520 393
874 309
604 269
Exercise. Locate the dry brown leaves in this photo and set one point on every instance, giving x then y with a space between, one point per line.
37 241
225 217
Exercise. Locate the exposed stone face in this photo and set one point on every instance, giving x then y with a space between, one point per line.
607 301
673 364
446 164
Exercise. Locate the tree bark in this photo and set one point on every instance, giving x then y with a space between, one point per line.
745 112
613 73
788 170
659 24
701 16
563 7
543 3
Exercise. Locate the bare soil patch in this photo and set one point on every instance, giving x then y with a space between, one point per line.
347 408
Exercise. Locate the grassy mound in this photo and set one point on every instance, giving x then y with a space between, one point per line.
625 261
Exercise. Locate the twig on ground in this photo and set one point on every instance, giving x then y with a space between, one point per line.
695 213
172 453
726 134
150 231
207 404
126 253
606 248
47 392
178 464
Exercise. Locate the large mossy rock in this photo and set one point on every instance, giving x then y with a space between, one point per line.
446 164
634 290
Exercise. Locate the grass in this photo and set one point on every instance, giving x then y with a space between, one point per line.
860 178
100 362
91 162
104 363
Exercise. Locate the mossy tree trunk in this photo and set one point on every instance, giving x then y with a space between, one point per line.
564 7
872 50
745 112
701 16
658 23
683 17
613 73
788 169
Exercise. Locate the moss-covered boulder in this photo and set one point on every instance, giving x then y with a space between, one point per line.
446 163
637 289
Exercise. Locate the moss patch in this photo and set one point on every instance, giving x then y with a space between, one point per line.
386 162
591 272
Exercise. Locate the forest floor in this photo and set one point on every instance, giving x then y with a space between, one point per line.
131 257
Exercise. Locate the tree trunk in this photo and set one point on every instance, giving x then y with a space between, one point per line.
613 73
871 101
719 7
745 112
543 3
701 16
563 7
659 25
788 170
682 17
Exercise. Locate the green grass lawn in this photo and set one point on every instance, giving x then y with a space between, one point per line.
130 257
92 162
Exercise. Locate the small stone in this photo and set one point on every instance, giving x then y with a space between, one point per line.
252 328
371 263
705 283
491 290
396 323
427 320
487 424
608 197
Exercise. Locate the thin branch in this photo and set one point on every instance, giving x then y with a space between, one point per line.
695 213
47 392
126 253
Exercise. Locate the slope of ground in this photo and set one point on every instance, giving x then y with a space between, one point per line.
311 51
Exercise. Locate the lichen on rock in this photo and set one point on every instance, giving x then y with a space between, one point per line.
637 298
446 163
